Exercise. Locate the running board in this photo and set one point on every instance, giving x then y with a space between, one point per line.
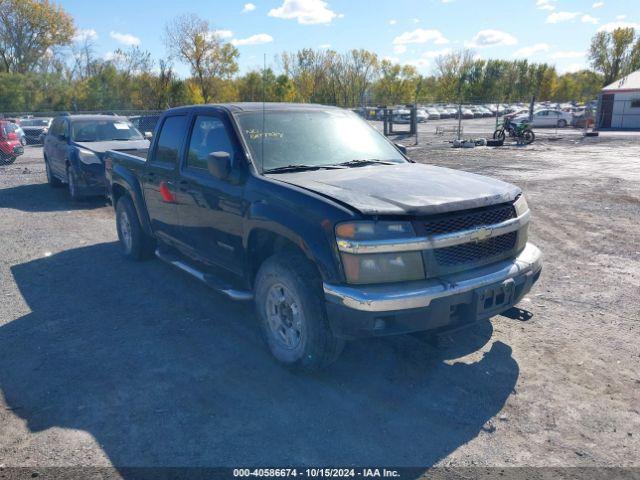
207 279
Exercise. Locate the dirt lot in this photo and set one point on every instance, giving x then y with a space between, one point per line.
107 362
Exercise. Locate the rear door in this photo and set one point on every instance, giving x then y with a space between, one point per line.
159 177
56 147
210 209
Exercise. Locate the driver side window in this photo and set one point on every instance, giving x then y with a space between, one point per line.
209 135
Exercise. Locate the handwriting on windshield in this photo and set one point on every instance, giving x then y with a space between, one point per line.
254 134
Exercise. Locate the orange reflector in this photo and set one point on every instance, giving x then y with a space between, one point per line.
346 230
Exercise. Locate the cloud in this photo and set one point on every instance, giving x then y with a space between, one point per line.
421 35
558 17
399 49
257 39
221 34
611 26
567 54
248 7
621 17
598 5
125 38
533 49
84 35
491 38
306 12
325 46
392 22
545 5
447 1
419 63
588 19
436 53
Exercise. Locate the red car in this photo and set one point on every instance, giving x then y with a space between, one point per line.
10 146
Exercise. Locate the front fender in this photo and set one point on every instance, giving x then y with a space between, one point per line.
312 234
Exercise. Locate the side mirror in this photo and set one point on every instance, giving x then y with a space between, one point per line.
219 164
402 148
148 135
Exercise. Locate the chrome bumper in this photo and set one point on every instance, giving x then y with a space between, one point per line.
409 295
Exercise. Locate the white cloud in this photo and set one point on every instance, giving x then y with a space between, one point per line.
415 20
85 35
419 63
621 17
221 34
447 1
491 38
421 35
325 46
545 4
558 17
248 7
306 12
436 53
588 19
611 26
598 5
257 39
399 49
391 59
567 54
125 38
533 49
392 22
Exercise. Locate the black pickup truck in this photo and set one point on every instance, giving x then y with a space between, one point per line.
324 223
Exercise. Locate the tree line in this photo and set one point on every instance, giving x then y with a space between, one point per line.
46 65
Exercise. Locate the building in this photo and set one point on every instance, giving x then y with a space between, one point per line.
619 104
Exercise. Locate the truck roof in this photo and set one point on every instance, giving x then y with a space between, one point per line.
256 106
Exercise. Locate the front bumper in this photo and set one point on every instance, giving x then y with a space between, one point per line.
436 304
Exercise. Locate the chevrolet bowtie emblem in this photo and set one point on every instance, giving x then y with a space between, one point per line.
481 233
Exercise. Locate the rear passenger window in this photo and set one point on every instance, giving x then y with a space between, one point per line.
209 135
170 140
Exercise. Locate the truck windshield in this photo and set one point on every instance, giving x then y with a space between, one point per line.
104 130
312 138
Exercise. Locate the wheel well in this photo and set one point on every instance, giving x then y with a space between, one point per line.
117 191
262 245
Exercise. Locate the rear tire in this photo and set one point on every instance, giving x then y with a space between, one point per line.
135 243
291 311
562 123
499 134
528 136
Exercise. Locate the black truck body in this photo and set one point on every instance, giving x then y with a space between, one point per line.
378 248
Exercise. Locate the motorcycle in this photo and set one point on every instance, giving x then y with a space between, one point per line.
520 131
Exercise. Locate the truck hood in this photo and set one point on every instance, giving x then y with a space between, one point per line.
102 147
403 189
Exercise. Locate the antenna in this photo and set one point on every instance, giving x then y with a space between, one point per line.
264 75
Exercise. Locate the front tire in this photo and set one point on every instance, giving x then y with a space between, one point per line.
562 123
135 243
499 134
291 311
72 184
52 180
528 136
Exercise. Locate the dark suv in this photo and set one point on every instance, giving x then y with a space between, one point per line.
75 145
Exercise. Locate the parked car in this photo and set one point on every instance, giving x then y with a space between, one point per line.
145 123
324 223
422 115
401 115
517 113
35 129
10 146
74 149
434 114
444 113
467 113
547 118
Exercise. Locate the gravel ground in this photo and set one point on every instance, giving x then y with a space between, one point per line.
107 362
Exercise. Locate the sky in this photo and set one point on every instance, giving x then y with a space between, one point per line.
406 31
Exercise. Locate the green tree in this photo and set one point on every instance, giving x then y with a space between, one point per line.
615 54
28 29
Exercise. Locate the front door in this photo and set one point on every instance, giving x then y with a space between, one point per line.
210 209
159 177
607 111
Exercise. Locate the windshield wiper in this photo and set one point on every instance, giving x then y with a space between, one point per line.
297 168
365 161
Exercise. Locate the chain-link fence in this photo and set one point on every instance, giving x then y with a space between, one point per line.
35 125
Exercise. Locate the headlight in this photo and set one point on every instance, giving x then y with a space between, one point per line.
521 205
88 157
378 267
